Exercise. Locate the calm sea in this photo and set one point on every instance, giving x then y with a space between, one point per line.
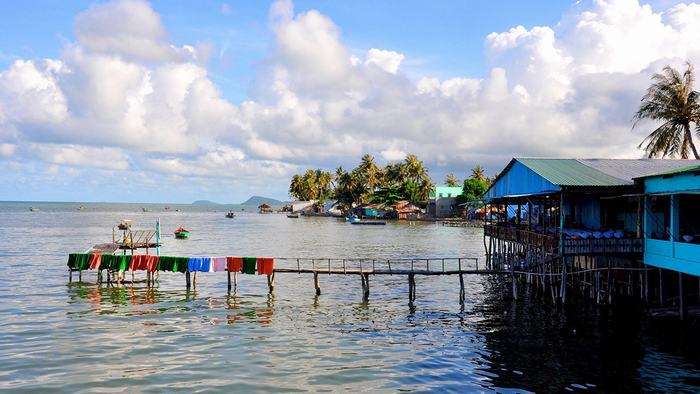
79 336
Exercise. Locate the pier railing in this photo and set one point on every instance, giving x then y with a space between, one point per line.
590 246
374 266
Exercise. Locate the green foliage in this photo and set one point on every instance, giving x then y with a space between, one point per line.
671 101
473 189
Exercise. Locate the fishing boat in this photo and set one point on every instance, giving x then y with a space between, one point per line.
124 224
352 219
34 209
81 207
293 215
230 214
369 223
145 210
181 233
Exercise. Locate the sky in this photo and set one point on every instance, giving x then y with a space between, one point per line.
175 101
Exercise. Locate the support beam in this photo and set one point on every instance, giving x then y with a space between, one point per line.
228 275
187 279
680 296
365 293
317 284
461 289
271 282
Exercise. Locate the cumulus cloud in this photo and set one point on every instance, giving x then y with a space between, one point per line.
125 94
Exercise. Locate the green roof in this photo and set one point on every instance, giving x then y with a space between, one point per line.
453 191
571 172
675 171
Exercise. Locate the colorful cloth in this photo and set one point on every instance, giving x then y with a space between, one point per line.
181 264
123 262
95 261
218 264
249 265
80 261
234 264
166 263
138 262
266 265
201 264
152 263
108 261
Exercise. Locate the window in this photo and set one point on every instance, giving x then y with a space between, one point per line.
440 195
689 218
659 217
449 194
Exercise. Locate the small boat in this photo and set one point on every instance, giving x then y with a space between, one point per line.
124 224
352 219
230 214
145 210
81 207
293 215
181 233
34 209
370 223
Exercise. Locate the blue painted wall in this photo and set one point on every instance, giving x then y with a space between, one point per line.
520 180
675 184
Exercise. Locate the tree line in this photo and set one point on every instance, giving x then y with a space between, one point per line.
369 183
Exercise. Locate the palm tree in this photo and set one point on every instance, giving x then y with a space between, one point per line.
671 99
451 180
425 187
479 173
369 172
414 168
296 187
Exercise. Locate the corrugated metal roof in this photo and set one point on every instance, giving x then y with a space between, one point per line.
676 171
629 169
572 172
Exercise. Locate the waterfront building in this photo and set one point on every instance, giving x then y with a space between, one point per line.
672 220
443 201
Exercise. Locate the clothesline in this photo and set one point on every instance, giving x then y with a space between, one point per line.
151 263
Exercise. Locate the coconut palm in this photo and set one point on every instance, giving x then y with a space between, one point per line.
296 188
414 168
451 180
671 100
370 173
479 173
425 187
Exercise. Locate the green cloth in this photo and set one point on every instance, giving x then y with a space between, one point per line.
108 261
78 261
166 263
124 262
181 264
249 265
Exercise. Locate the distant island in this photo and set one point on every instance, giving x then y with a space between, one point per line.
205 202
259 200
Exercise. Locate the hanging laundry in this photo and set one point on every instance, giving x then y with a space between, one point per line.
95 261
198 264
124 261
249 265
152 263
71 260
181 264
218 264
166 263
138 262
82 261
234 264
108 261
266 265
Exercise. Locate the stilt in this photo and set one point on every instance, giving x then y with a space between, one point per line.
271 282
194 280
365 294
80 276
461 289
317 284
228 274
187 279
70 275
680 295
661 287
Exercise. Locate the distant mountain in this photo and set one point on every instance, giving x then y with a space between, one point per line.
259 200
205 202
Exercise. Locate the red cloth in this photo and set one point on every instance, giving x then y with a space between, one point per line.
234 264
152 263
95 261
266 265
138 262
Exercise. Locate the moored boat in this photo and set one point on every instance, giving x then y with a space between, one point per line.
293 215
230 214
34 209
181 233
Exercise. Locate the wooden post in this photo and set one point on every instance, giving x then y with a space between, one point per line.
365 295
235 280
411 287
80 275
461 288
680 295
194 280
187 279
317 284
271 282
661 287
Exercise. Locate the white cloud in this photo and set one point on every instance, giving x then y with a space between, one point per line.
124 95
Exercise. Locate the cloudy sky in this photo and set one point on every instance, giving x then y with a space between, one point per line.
172 101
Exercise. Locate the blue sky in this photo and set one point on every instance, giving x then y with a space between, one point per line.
222 100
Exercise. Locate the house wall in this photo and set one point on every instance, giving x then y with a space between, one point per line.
520 180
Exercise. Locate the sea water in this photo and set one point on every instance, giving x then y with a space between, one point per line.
81 336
